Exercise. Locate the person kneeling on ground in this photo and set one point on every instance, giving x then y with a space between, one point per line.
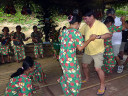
20 84
37 75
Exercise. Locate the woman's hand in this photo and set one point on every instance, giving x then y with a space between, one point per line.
93 37
3 38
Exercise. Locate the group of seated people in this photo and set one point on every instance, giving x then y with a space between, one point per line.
22 81
18 39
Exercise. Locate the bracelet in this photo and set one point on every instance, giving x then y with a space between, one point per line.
99 37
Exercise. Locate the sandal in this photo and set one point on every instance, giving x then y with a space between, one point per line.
84 81
101 92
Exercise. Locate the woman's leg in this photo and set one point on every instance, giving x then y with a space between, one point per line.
2 59
16 53
36 51
40 48
8 58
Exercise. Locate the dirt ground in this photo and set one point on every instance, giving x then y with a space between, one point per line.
116 83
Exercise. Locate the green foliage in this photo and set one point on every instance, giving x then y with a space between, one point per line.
121 12
56 16
24 28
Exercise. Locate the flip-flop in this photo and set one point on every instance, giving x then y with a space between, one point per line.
83 81
101 91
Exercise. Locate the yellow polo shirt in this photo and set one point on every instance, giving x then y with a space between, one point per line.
96 46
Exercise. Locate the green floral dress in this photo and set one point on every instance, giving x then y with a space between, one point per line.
5 49
71 79
19 86
36 75
109 59
19 45
38 47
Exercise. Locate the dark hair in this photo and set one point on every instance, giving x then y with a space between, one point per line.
109 19
126 21
28 62
18 26
5 28
110 11
75 12
63 27
34 27
74 18
89 12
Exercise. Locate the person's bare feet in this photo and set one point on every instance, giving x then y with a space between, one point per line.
85 80
3 62
42 56
17 61
36 56
58 80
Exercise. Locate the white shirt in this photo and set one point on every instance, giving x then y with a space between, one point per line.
117 36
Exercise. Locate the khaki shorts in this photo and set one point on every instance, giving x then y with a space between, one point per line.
116 49
98 59
122 46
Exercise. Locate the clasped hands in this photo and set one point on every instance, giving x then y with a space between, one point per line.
93 37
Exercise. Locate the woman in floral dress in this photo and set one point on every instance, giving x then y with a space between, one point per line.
109 60
71 39
5 44
36 38
18 37
20 84
37 75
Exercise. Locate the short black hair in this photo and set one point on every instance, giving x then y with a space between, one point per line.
18 26
5 28
28 62
34 27
89 12
110 11
109 19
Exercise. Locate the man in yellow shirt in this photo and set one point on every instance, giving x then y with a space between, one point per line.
95 49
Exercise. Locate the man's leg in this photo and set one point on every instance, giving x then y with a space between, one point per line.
126 61
101 77
116 51
98 63
118 60
121 53
85 70
86 59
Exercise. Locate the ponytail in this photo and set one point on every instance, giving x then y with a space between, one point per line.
17 73
28 62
